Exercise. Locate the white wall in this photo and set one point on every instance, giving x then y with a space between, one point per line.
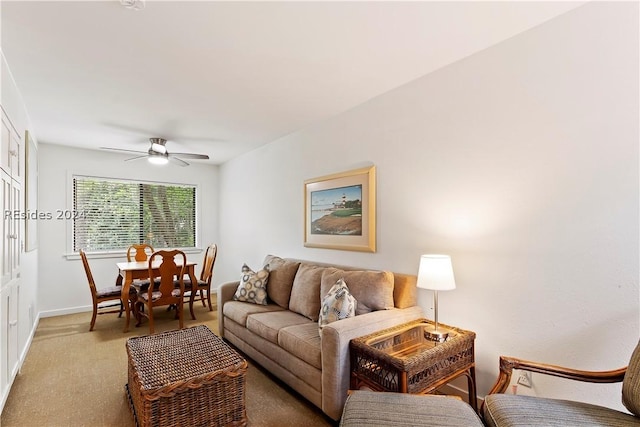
65 288
520 161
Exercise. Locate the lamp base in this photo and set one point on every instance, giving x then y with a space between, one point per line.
433 334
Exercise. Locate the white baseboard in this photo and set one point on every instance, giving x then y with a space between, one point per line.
63 311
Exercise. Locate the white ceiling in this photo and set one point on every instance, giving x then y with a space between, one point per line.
222 78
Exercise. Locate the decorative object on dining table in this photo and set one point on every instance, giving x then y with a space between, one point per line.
340 211
436 273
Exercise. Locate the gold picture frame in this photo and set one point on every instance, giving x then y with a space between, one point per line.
340 211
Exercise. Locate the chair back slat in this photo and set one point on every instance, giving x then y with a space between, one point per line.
166 272
87 270
139 253
209 261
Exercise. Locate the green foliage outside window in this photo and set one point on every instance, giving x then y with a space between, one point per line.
112 215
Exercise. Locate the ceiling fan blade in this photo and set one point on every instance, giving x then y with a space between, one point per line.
191 156
136 158
122 150
178 161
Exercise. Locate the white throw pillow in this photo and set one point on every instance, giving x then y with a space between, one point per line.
337 304
253 286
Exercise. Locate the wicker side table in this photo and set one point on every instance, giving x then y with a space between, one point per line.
401 359
186 377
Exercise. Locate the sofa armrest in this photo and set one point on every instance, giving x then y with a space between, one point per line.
336 336
225 293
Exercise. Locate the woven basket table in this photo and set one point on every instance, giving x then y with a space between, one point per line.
401 359
189 377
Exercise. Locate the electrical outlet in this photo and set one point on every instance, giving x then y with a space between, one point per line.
525 379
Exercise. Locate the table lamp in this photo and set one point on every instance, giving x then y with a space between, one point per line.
436 273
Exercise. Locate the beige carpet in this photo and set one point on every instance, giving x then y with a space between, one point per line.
73 377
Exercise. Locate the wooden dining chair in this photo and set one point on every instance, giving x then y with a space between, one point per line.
139 253
166 293
203 287
104 298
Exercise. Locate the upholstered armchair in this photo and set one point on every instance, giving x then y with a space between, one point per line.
499 409
505 410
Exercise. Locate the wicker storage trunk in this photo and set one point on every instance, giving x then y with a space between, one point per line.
188 377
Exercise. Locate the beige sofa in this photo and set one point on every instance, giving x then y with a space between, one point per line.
284 337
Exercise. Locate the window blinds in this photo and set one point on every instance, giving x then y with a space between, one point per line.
114 214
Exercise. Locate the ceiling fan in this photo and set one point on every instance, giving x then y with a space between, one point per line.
158 154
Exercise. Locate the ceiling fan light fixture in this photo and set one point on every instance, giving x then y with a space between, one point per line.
158 154
158 160
133 4
158 148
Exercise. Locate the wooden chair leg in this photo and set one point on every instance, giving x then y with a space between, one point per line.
191 300
175 306
93 317
209 299
180 315
119 283
150 315
204 304
137 312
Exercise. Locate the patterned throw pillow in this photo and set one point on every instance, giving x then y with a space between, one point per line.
253 286
337 304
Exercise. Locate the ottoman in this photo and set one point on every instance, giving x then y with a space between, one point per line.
373 408
187 377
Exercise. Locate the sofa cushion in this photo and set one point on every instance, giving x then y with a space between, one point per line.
303 341
405 291
509 410
303 377
281 275
338 304
240 311
253 286
305 293
372 289
267 325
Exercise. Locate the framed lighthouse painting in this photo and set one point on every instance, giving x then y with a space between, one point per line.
340 211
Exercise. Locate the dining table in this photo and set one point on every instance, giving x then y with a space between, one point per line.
130 271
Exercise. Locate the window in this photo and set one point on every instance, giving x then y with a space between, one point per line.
113 214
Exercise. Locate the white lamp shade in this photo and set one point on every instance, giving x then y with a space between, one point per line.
436 273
